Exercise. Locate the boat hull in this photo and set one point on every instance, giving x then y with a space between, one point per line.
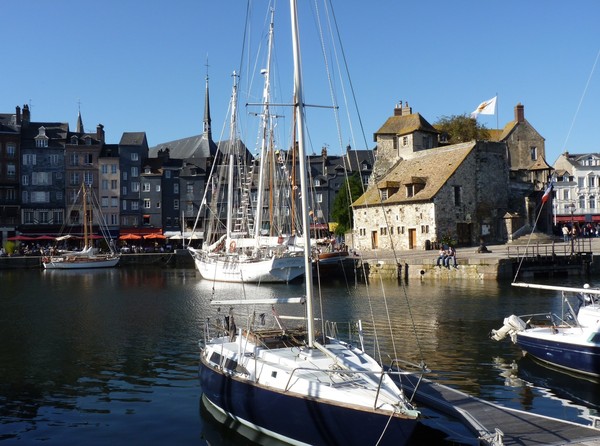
230 269
79 262
298 419
575 356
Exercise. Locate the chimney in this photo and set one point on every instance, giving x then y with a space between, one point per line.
18 115
100 133
26 115
406 110
519 113
398 109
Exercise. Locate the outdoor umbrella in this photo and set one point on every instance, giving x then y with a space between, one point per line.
45 237
20 238
130 237
154 236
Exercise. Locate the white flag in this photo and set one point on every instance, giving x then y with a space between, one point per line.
485 108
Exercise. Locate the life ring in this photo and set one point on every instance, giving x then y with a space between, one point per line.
232 246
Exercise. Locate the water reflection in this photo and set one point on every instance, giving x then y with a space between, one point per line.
111 355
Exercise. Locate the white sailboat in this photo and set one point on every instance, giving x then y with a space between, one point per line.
243 253
89 256
297 385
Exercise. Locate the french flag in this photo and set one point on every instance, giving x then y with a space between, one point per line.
548 192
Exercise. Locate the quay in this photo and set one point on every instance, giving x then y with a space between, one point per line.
495 425
543 257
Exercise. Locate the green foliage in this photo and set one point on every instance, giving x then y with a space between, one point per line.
10 247
341 212
461 128
448 239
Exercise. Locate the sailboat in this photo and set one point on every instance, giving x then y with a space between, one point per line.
294 384
242 253
89 256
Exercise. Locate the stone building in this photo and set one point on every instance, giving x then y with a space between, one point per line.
452 194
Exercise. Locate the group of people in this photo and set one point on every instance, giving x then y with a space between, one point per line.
447 255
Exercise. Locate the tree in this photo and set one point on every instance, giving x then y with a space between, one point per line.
461 128
341 212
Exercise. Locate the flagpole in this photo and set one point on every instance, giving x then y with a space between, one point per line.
497 112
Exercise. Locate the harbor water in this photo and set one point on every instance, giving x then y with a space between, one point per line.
110 356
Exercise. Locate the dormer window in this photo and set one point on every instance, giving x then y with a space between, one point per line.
41 140
387 189
316 182
414 186
365 166
534 154
74 140
147 170
88 140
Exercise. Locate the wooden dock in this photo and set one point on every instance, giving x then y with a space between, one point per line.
496 425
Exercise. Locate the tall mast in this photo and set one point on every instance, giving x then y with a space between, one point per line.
232 153
298 95
86 218
264 137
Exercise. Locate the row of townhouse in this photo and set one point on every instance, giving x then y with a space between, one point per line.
140 189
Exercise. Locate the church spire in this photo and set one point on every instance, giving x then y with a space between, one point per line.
207 129
79 120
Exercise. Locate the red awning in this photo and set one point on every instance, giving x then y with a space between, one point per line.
141 231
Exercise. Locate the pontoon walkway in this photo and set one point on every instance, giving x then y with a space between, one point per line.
496 425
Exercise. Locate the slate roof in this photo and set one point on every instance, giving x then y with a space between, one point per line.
133 139
433 166
404 125
55 131
7 123
199 146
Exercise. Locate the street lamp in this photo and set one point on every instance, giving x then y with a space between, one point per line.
571 207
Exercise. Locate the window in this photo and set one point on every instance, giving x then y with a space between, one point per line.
384 194
114 202
175 204
57 216
73 159
362 232
43 217
457 195
40 197
54 160
104 202
533 153
167 174
74 180
114 184
124 207
124 176
88 158
28 215
135 156
25 180
113 168
124 190
135 186
404 141
319 198
29 159
582 202
383 231
11 170
104 169
316 182
104 185
88 177
157 188
11 150
147 204
176 188
566 194
135 205
592 202
158 205
41 178
146 187
592 181
135 172
580 181
190 188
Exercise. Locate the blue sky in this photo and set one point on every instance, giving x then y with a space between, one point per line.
137 65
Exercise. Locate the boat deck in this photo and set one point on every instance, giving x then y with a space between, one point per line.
497 425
